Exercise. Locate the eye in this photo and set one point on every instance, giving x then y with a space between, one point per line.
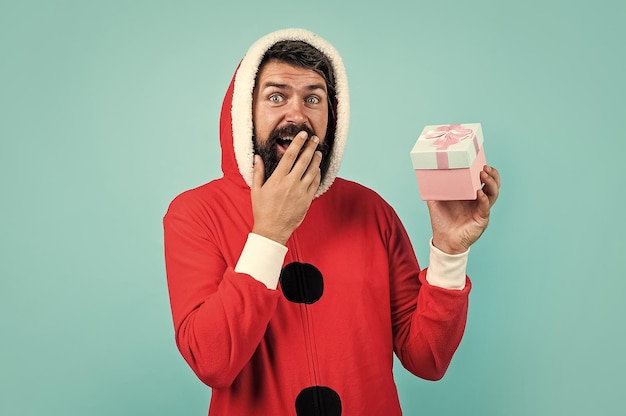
313 100
276 98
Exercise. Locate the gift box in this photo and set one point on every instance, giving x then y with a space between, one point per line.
447 160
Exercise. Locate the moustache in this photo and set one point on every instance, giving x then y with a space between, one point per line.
288 132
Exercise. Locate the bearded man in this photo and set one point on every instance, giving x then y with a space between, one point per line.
291 288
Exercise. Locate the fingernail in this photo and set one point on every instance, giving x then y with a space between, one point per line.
316 139
317 152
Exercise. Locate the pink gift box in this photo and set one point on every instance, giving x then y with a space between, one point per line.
447 160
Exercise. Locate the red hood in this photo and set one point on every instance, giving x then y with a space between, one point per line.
229 163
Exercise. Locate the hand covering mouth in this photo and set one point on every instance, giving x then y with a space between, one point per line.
272 149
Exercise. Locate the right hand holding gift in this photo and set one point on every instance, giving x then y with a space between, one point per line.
458 224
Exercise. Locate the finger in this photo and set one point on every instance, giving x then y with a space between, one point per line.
493 172
258 173
315 184
312 176
491 186
291 154
484 204
305 157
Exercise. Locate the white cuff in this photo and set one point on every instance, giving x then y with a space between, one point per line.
446 270
262 259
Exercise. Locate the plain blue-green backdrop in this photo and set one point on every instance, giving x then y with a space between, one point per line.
108 109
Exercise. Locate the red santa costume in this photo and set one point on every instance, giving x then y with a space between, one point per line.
310 328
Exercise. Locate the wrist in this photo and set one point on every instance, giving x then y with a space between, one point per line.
278 237
445 246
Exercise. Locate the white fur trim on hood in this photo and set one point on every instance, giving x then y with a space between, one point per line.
241 111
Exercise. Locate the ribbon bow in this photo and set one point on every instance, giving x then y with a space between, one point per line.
448 135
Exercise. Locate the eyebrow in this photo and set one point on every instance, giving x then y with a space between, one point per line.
288 87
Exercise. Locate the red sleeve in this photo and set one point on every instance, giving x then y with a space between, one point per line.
219 316
428 321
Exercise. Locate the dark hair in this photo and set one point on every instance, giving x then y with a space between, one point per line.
303 55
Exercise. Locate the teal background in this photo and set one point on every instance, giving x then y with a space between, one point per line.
110 109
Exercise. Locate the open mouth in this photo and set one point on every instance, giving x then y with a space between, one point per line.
284 143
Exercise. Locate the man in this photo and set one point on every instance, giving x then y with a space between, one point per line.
291 288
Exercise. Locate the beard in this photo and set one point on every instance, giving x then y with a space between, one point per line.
268 150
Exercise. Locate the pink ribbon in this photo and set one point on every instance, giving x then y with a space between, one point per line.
448 135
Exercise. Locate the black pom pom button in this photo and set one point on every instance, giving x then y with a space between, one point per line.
301 283
318 401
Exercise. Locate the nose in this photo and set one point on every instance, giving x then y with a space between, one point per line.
296 112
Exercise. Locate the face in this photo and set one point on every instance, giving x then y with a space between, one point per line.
287 100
